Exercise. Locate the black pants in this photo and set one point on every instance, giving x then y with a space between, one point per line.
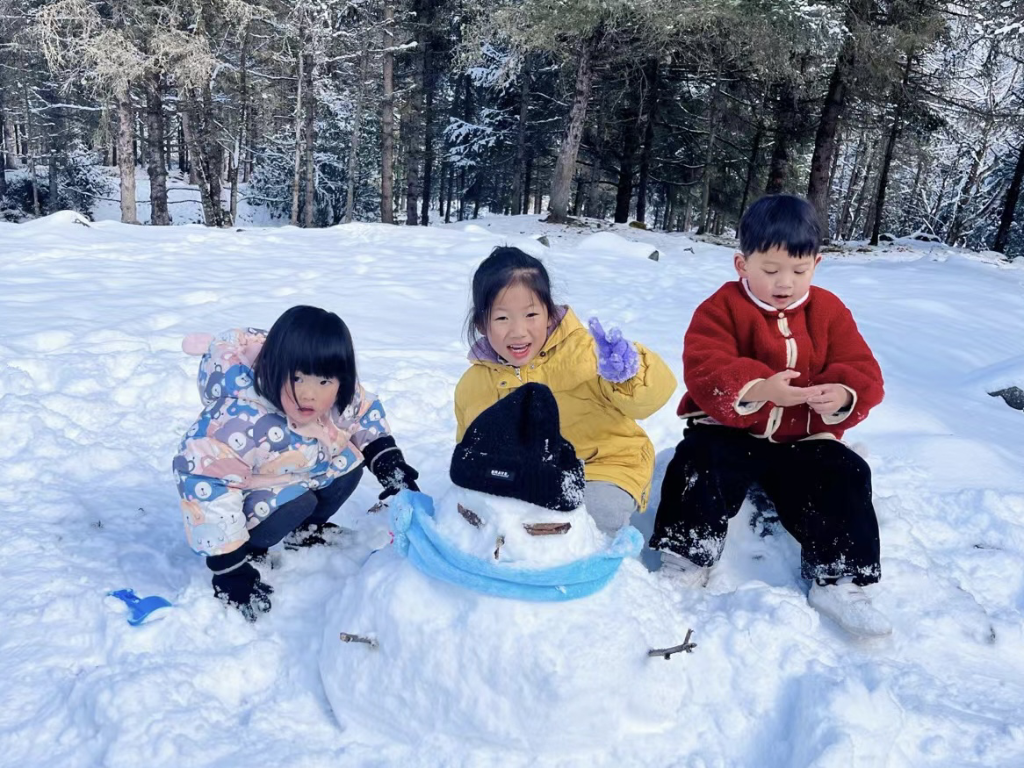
310 508
820 488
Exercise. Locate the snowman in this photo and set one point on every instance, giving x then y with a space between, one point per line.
500 615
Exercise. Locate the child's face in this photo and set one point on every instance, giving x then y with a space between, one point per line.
775 277
518 324
314 397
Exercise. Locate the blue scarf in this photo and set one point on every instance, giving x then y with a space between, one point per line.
417 537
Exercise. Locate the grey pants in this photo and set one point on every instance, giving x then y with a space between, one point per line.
610 506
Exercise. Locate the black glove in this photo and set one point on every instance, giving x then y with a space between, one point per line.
387 464
238 584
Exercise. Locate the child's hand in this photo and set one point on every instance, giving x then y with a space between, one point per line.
777 389
832 398
617 359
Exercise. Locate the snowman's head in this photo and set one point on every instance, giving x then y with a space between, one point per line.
507 531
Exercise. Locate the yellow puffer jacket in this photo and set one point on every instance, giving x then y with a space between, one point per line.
597 416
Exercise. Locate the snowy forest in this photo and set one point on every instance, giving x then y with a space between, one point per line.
894 117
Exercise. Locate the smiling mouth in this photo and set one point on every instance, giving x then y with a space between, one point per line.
518 350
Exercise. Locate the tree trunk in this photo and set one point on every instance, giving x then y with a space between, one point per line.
755 153
309 203
527 181
650 113
387 120
429 81
51 177
1010 206
705 198
297 160
182 146
125 158
786 114
866 190
828 124
565 166
442 183
205 152
596 172
3 146
156 162
537 196
843 222
890 147
448 195
627 158
410 141
520 171
357 124
237 158
969 186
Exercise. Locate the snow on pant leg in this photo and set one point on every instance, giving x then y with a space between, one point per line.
282 521
705 485
330 498
822 493
610 506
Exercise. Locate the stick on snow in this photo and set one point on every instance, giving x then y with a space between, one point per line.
470 516
345 637
546 529
686 646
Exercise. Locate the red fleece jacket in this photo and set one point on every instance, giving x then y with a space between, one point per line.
733 342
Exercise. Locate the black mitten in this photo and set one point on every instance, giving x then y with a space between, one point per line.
237 583
388 465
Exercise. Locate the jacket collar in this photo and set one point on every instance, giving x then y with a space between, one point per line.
768 307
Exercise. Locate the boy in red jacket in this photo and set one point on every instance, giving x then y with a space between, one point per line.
775 371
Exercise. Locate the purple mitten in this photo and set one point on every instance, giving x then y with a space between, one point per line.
617 359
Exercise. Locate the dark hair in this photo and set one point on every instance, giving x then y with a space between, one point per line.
307 340
504 267
784 221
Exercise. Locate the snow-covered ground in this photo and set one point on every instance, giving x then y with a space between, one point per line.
95 394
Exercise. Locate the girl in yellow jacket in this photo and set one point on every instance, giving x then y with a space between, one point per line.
602 383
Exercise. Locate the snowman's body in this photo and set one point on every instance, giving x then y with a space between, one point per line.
454 661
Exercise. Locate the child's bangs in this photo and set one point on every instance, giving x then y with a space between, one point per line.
318 354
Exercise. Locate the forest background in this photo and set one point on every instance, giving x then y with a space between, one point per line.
902 117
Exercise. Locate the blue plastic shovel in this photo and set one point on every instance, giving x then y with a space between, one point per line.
139 608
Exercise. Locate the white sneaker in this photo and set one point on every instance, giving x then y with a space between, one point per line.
849 607
682 571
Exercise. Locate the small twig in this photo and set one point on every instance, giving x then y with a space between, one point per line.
546 529
377 507
345 637
497 548
686 647
470 516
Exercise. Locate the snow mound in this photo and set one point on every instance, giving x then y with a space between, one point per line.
607 242
55 221
1002 375
485 670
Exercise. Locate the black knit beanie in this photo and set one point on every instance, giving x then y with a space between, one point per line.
515 449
